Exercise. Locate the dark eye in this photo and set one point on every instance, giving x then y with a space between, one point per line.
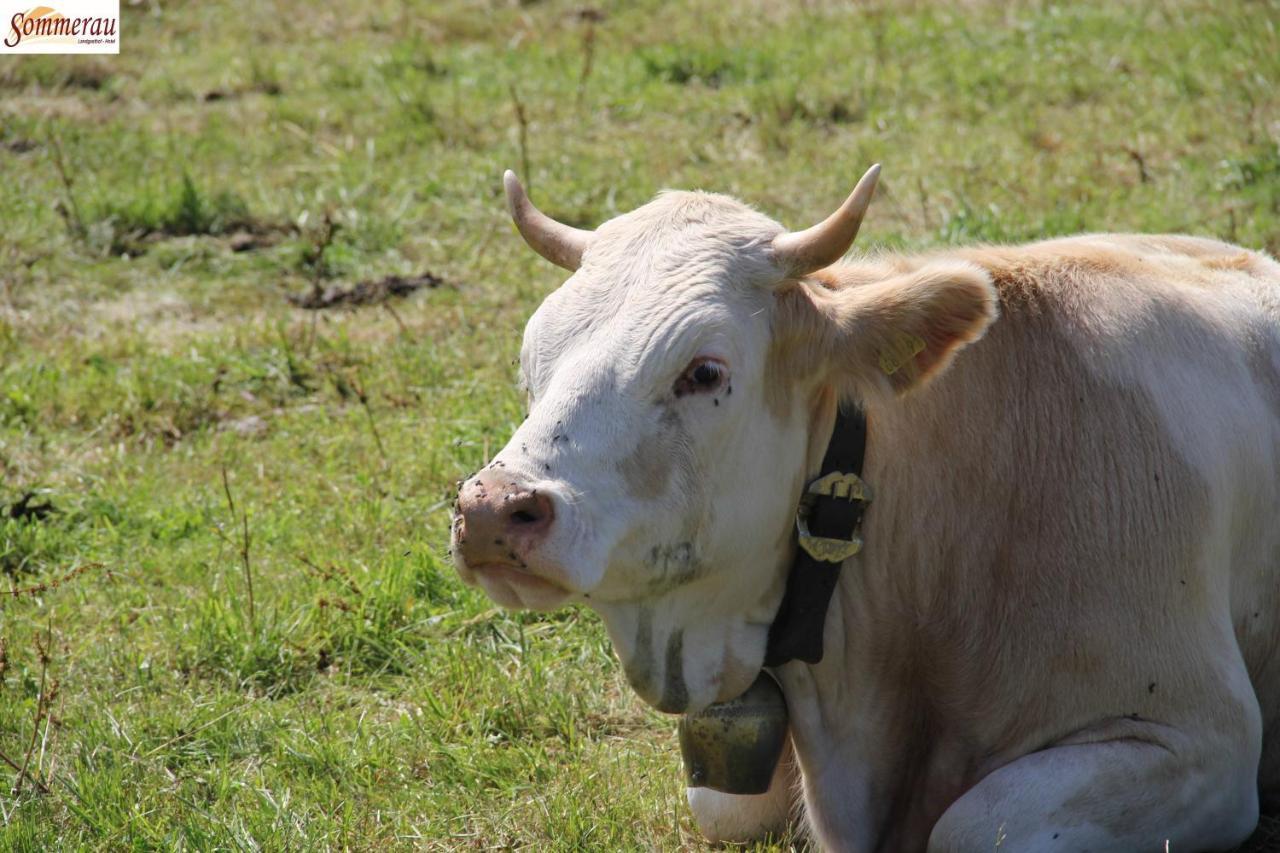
701 376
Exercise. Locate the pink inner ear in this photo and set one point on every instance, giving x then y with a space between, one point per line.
956 313
951 332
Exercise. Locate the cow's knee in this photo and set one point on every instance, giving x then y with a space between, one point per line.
740 817
1119 795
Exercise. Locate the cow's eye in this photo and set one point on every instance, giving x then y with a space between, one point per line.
701 376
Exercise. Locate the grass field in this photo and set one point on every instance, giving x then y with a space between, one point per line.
263 645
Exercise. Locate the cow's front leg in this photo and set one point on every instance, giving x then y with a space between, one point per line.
1149 786
737 817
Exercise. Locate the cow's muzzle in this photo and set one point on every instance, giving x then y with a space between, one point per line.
499 529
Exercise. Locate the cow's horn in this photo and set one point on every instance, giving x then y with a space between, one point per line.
561 244
802 252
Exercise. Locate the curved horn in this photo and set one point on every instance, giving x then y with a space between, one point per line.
561 244
802 252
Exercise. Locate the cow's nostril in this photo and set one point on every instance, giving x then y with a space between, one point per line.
498 521
528 511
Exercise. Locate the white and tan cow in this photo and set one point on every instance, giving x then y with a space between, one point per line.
1062 632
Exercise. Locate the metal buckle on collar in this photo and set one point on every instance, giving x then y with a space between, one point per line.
837 484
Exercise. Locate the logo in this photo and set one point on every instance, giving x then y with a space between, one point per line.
73 26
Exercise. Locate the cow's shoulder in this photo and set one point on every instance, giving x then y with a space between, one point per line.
1092 265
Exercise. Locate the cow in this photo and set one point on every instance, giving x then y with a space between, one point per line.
1062 630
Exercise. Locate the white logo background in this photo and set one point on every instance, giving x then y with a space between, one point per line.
60 26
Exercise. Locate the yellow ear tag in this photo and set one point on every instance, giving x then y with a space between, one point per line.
901 350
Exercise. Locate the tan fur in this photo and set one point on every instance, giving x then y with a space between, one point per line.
1043 552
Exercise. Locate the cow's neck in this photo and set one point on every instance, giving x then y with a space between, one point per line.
850 714
813 705
827 532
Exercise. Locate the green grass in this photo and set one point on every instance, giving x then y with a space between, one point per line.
371 701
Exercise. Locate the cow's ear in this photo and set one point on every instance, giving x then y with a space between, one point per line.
898 333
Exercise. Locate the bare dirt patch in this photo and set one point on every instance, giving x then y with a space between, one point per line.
373 292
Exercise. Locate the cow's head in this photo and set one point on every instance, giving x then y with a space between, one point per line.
681 386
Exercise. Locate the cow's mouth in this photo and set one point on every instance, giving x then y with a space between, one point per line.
513 587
